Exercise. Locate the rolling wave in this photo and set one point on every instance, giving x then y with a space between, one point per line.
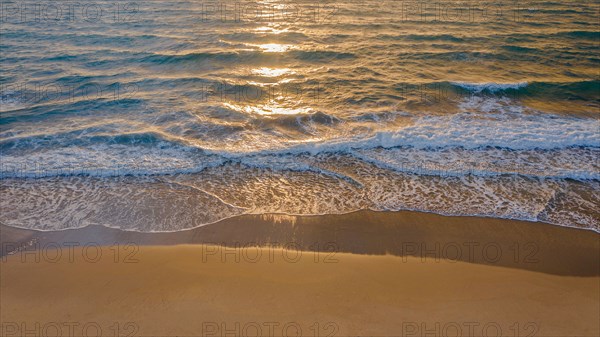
162 153
490 87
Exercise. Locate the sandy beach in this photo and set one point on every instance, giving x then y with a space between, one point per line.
182 284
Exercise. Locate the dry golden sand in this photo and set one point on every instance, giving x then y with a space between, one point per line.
378 281
201 290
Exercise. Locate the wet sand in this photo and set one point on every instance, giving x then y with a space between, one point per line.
526 245
364 273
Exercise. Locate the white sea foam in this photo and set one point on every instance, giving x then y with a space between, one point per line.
186 201
491 86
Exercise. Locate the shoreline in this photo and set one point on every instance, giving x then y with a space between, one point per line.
534 246
479 216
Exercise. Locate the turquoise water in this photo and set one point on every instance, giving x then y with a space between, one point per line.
200 111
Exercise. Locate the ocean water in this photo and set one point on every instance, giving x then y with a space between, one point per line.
168 115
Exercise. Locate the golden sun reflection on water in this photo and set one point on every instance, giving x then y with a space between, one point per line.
271 30
274 47
268 109
272 72
273 79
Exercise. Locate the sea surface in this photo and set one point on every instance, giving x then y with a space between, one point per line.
168 115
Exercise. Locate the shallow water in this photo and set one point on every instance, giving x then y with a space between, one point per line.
161 115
